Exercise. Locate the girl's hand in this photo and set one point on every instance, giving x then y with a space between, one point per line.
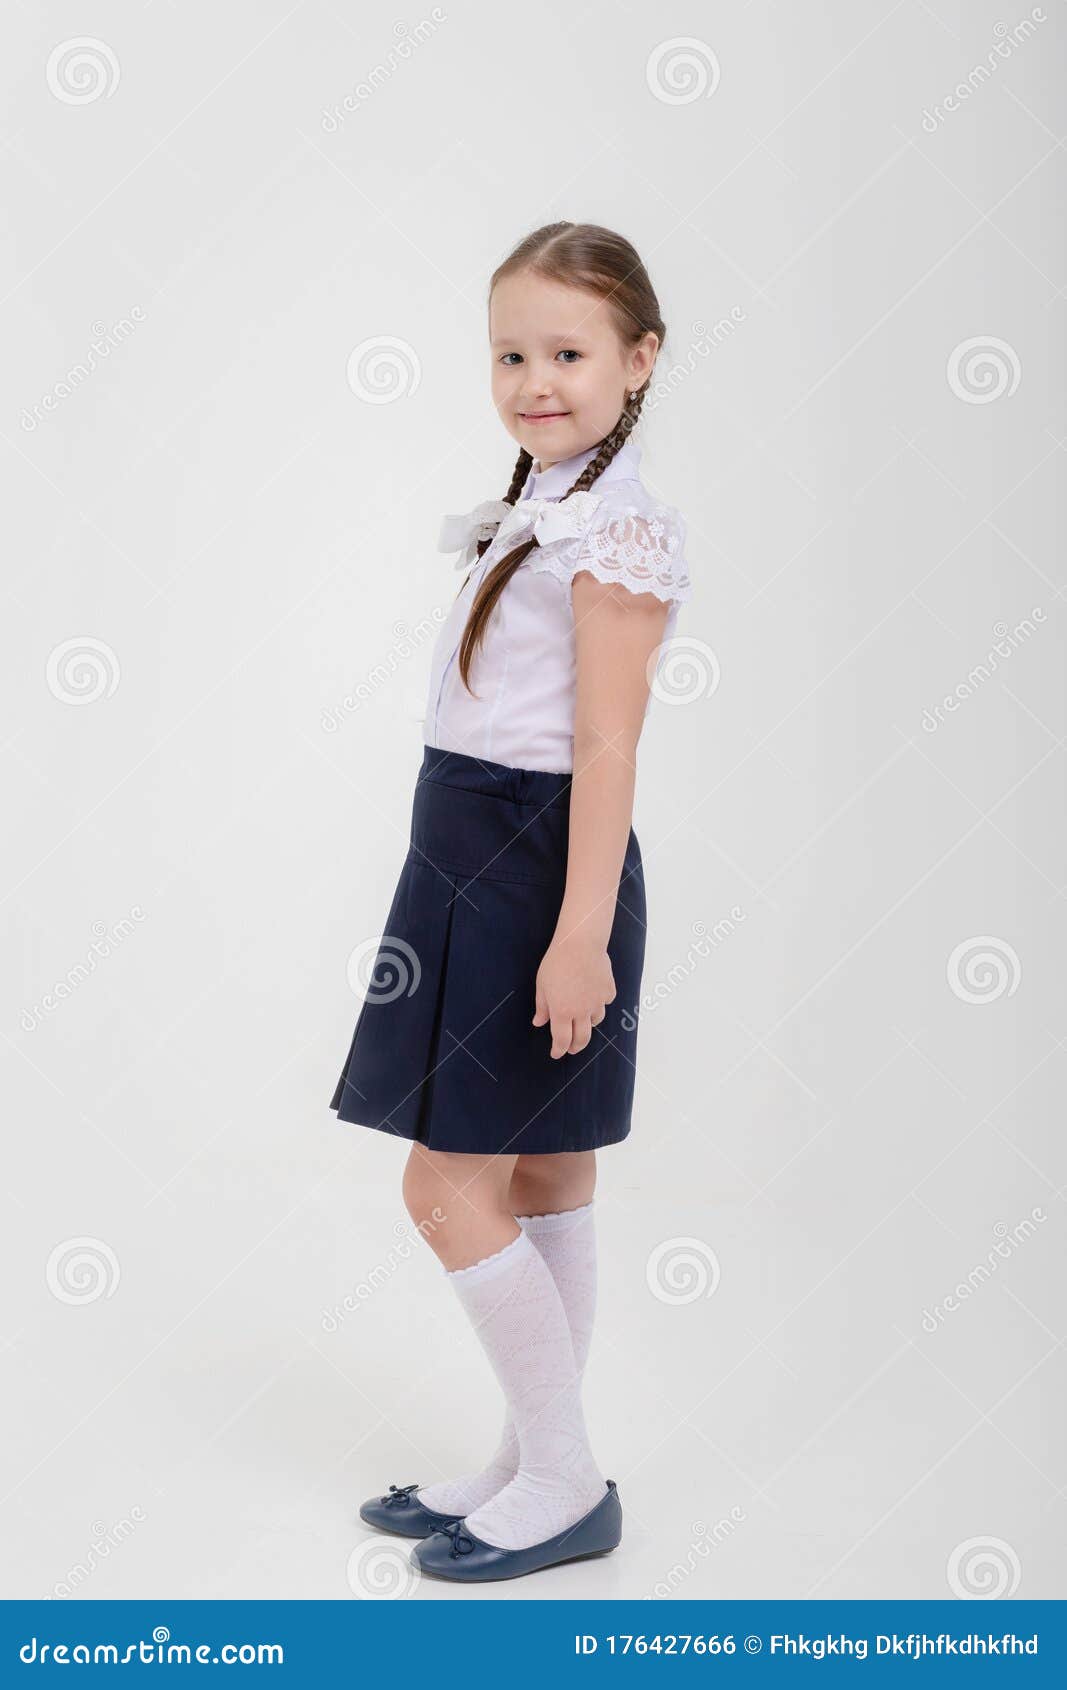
574 983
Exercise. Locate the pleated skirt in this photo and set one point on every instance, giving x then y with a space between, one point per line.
444 1051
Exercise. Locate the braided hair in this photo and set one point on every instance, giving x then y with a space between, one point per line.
587 256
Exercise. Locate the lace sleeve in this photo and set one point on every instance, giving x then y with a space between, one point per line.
643 550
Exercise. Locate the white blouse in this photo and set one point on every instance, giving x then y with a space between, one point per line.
524 672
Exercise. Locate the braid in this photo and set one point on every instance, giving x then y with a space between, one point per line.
491 588
523 465
612 443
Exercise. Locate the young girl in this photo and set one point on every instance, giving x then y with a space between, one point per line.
499 1032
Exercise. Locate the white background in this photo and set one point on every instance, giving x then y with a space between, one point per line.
235 541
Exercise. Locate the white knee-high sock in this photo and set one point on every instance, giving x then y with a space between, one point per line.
567 1241
512 1302
463 1495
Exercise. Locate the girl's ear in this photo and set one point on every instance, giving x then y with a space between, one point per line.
643 358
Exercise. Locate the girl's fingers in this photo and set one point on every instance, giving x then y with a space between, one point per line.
582 1033
570 1034
562 1034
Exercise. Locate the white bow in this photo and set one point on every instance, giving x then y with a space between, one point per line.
464 532
495 519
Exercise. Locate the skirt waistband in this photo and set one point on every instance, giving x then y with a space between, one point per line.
540 787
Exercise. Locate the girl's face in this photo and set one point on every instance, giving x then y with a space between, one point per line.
561 375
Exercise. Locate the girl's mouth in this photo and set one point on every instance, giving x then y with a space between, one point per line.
542 416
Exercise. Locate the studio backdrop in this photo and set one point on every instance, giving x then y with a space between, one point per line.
246 373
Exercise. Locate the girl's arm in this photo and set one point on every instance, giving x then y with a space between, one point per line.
616 633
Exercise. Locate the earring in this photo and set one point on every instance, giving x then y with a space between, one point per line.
633 393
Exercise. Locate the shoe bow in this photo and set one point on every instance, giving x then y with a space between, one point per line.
462 1542
399 1494
546 519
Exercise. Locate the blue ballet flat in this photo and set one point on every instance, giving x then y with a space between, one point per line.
456 1553
402 1512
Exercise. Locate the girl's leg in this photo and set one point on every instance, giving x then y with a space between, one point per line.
552 1199
460 1205
535 1326
544 1184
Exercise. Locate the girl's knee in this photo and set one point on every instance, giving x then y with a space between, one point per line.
443 1185
459 1203
541 1184
421 1189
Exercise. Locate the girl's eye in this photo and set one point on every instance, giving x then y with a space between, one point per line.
567 352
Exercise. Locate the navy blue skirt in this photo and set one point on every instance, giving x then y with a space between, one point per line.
444 1051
